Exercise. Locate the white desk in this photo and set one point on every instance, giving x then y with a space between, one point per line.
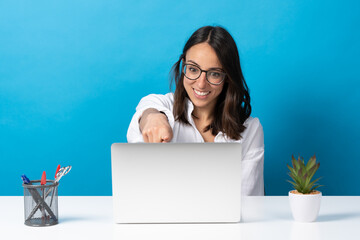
262 218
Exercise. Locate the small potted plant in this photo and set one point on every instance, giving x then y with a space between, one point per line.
305 199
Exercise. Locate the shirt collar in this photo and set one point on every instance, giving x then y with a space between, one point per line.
220 137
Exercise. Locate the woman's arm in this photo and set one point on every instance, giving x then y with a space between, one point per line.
148 120
253 159
154 126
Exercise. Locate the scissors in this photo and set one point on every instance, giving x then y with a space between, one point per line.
62 172
59 174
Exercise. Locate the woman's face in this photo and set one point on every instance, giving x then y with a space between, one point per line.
201 93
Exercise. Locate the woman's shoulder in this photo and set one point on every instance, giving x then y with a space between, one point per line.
158 99
252 122
253 128
168 97
253 134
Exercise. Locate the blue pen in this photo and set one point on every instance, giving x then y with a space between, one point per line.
25 179
33 192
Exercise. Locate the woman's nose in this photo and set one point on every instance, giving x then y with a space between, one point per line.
201 81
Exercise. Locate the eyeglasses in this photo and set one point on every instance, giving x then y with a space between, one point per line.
193 72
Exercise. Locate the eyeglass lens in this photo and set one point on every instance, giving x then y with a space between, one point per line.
193 72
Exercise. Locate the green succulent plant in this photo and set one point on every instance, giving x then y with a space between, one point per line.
302 174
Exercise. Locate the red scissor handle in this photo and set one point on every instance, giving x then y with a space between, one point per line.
57 170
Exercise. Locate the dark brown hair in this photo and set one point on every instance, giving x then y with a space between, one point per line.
233 104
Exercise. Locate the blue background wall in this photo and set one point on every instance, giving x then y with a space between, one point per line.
72 73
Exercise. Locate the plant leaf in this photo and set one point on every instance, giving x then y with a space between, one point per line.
313 170
291 169
316 187
295 164
313 182
302 164
311 163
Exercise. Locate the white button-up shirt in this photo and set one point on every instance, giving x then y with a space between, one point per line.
252 139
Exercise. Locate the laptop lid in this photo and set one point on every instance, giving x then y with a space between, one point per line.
176 182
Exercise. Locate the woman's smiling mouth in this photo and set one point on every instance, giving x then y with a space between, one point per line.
201 94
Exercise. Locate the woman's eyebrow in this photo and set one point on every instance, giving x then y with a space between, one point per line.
213 68
194 63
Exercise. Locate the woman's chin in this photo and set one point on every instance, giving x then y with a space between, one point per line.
200 103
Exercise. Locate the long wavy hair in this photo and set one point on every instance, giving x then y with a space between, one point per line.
233 104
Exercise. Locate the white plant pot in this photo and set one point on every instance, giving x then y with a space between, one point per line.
305 207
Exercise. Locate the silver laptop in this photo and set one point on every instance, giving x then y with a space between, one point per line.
176 182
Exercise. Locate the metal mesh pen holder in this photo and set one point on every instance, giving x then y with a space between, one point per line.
41 203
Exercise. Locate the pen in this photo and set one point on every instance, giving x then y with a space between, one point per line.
28 182
43 179
43 182
25 179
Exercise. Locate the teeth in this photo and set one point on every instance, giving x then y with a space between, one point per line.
201 93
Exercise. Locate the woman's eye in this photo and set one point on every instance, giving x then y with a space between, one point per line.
215 74
192 69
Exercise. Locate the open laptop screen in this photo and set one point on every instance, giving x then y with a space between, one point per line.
176 182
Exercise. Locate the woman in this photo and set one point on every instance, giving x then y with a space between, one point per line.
211 103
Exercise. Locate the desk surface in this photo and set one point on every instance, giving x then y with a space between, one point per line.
262 218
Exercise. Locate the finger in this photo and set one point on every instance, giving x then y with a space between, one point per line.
156 139
167 135
156 135
166 138
150 137
146 138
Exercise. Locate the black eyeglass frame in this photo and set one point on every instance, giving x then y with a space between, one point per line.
201 71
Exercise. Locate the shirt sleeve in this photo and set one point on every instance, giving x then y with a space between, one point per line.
160 102
253 160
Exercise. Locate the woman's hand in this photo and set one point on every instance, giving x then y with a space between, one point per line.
155 127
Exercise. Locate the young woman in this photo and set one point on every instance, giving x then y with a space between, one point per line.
211 103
